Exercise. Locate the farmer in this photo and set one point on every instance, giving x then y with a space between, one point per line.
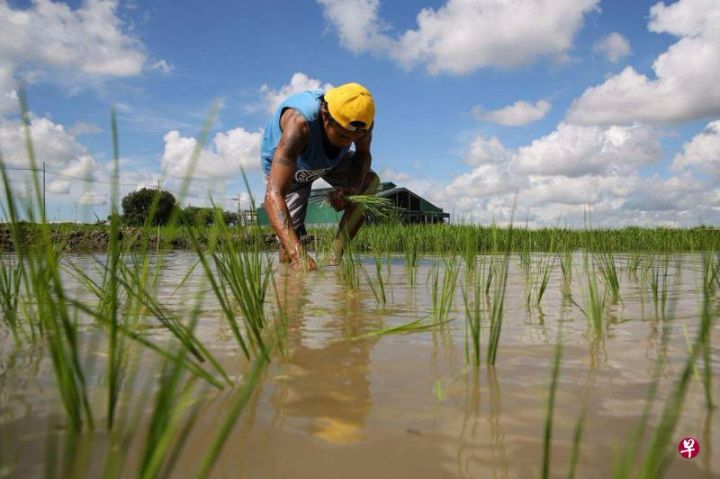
309 137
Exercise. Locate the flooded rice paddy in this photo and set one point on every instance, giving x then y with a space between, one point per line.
348 398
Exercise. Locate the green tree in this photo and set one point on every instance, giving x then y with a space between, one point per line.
136 206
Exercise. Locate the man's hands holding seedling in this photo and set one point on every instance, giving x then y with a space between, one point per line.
338 198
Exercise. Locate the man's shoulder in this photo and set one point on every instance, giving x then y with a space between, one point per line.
306 102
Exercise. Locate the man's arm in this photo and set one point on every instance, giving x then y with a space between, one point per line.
293 142
364 160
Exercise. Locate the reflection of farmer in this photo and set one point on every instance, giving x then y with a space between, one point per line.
326 390
309 137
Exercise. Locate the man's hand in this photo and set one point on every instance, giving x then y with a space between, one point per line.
338 198
303 263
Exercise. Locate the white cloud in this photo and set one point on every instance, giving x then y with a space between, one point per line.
655 194
487 150
50 41
162 66
417 184
358 24
84 128
230 150
573 150
93 198
51 144
702 152
486 180
615 47
557 178
685 85
299 82
518 114
8 94
67 161
464 35
89 38
80 170
684 18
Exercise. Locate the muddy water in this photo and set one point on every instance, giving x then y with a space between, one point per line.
343 403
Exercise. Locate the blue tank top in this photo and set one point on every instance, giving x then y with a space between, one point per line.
313 162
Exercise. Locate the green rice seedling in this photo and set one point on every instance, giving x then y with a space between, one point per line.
410 249
470 251
51 309
165 418
547 434
10 275
248 386
634 264
595 299
374 206
566 268
219 291
659 282
709 277
416 326
115 359
657 455
594 303
442 294
609 274
496 311
538 277
577 440
498 299
378 286
487 274
246 275
349 274
473 321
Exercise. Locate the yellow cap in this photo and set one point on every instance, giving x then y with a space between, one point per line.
351 105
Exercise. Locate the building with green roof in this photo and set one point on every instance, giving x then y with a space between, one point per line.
410 207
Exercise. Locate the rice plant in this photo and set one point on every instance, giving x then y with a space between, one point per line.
374 206
595 299
415 326
566 266
473 320
410 249
378 285
537 278
547 434
444 292
497 305
608 271
10 276
659 284
349 270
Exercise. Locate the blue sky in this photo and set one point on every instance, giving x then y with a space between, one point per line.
563 104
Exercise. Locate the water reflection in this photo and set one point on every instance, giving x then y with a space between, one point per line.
322 384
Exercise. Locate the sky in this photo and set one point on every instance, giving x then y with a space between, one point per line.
543 112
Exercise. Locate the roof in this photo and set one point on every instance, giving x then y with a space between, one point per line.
400 189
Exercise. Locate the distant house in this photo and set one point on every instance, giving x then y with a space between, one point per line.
410 207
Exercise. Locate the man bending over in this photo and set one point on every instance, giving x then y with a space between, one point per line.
309 137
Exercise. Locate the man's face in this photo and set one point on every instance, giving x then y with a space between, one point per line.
337 135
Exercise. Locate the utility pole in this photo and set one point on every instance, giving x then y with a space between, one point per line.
239 211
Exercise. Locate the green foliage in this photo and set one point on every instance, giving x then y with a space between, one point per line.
137 206
206 216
